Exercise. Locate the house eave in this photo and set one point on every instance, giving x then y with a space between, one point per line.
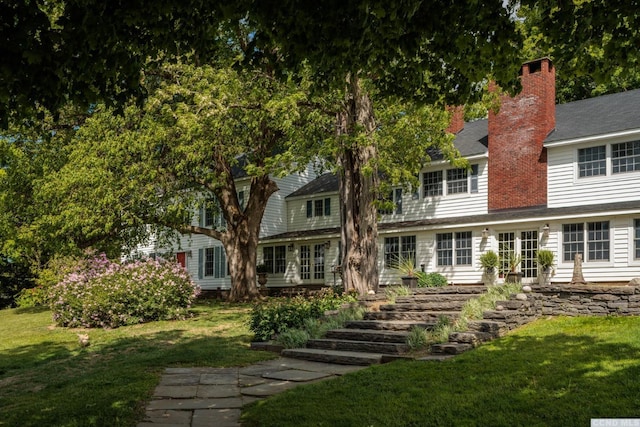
593 138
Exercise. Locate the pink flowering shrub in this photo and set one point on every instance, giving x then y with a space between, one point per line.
106 294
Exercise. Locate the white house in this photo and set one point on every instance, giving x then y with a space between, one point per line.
559 177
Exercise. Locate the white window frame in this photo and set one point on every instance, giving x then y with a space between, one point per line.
470 185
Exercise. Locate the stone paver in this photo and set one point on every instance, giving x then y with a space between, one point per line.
195 397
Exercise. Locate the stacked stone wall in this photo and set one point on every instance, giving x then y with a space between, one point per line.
585 300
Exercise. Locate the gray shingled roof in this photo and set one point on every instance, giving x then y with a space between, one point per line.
597 116
323 184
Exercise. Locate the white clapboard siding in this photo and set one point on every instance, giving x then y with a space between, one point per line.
275 216
297 213
566 189
447 206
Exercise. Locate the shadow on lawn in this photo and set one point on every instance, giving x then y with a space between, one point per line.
524 379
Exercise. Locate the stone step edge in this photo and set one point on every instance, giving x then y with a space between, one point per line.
335 356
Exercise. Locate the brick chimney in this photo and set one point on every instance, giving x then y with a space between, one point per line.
457 119
517 159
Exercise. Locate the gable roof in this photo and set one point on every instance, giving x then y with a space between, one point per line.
602 115
323 184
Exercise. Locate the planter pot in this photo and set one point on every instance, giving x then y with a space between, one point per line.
514 277
545 277
410 282
489 276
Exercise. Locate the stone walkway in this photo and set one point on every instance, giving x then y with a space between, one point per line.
194 397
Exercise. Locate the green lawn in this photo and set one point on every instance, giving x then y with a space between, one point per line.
554 372
48 379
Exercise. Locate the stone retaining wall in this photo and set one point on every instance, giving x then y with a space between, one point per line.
585 300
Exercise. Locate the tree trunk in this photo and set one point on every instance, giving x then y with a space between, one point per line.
358 183
241 238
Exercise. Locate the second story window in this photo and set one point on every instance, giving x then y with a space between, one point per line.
211 215
592 161
450 181
319 207
625 157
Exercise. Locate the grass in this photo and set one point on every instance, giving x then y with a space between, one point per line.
553 372
48 379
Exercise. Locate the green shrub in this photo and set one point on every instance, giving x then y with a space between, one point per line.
431 280
107 294
270 318
391 292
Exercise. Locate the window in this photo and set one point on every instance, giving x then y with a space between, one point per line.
636 237
506 246
596 234
572 241
212 263
241 200
305 262
448 244
625 157
211 215
395 196
456 181
275 259
463 248
432 184
318 261
529 250
592 161
397 248
318 207
598 241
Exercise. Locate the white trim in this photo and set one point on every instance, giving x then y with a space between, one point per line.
592 138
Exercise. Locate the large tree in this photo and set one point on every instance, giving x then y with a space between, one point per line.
415 51
148 169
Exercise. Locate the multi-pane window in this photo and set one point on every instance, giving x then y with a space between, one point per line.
596 234
592 161
432 184
319 207
463 245
572 241
305 262
275 259
211 215
625 157
598 241
448 244
529 250
396 196
399 248
318 261
457 181
636 237
241 200
215 263
506 247
280 259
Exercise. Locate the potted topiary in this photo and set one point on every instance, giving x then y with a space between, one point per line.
262 271
409 273
489 262
513 260
544 258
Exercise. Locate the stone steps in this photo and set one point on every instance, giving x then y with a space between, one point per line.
425 306
381 335
388 325
334 356
425 316
371 335
359 346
